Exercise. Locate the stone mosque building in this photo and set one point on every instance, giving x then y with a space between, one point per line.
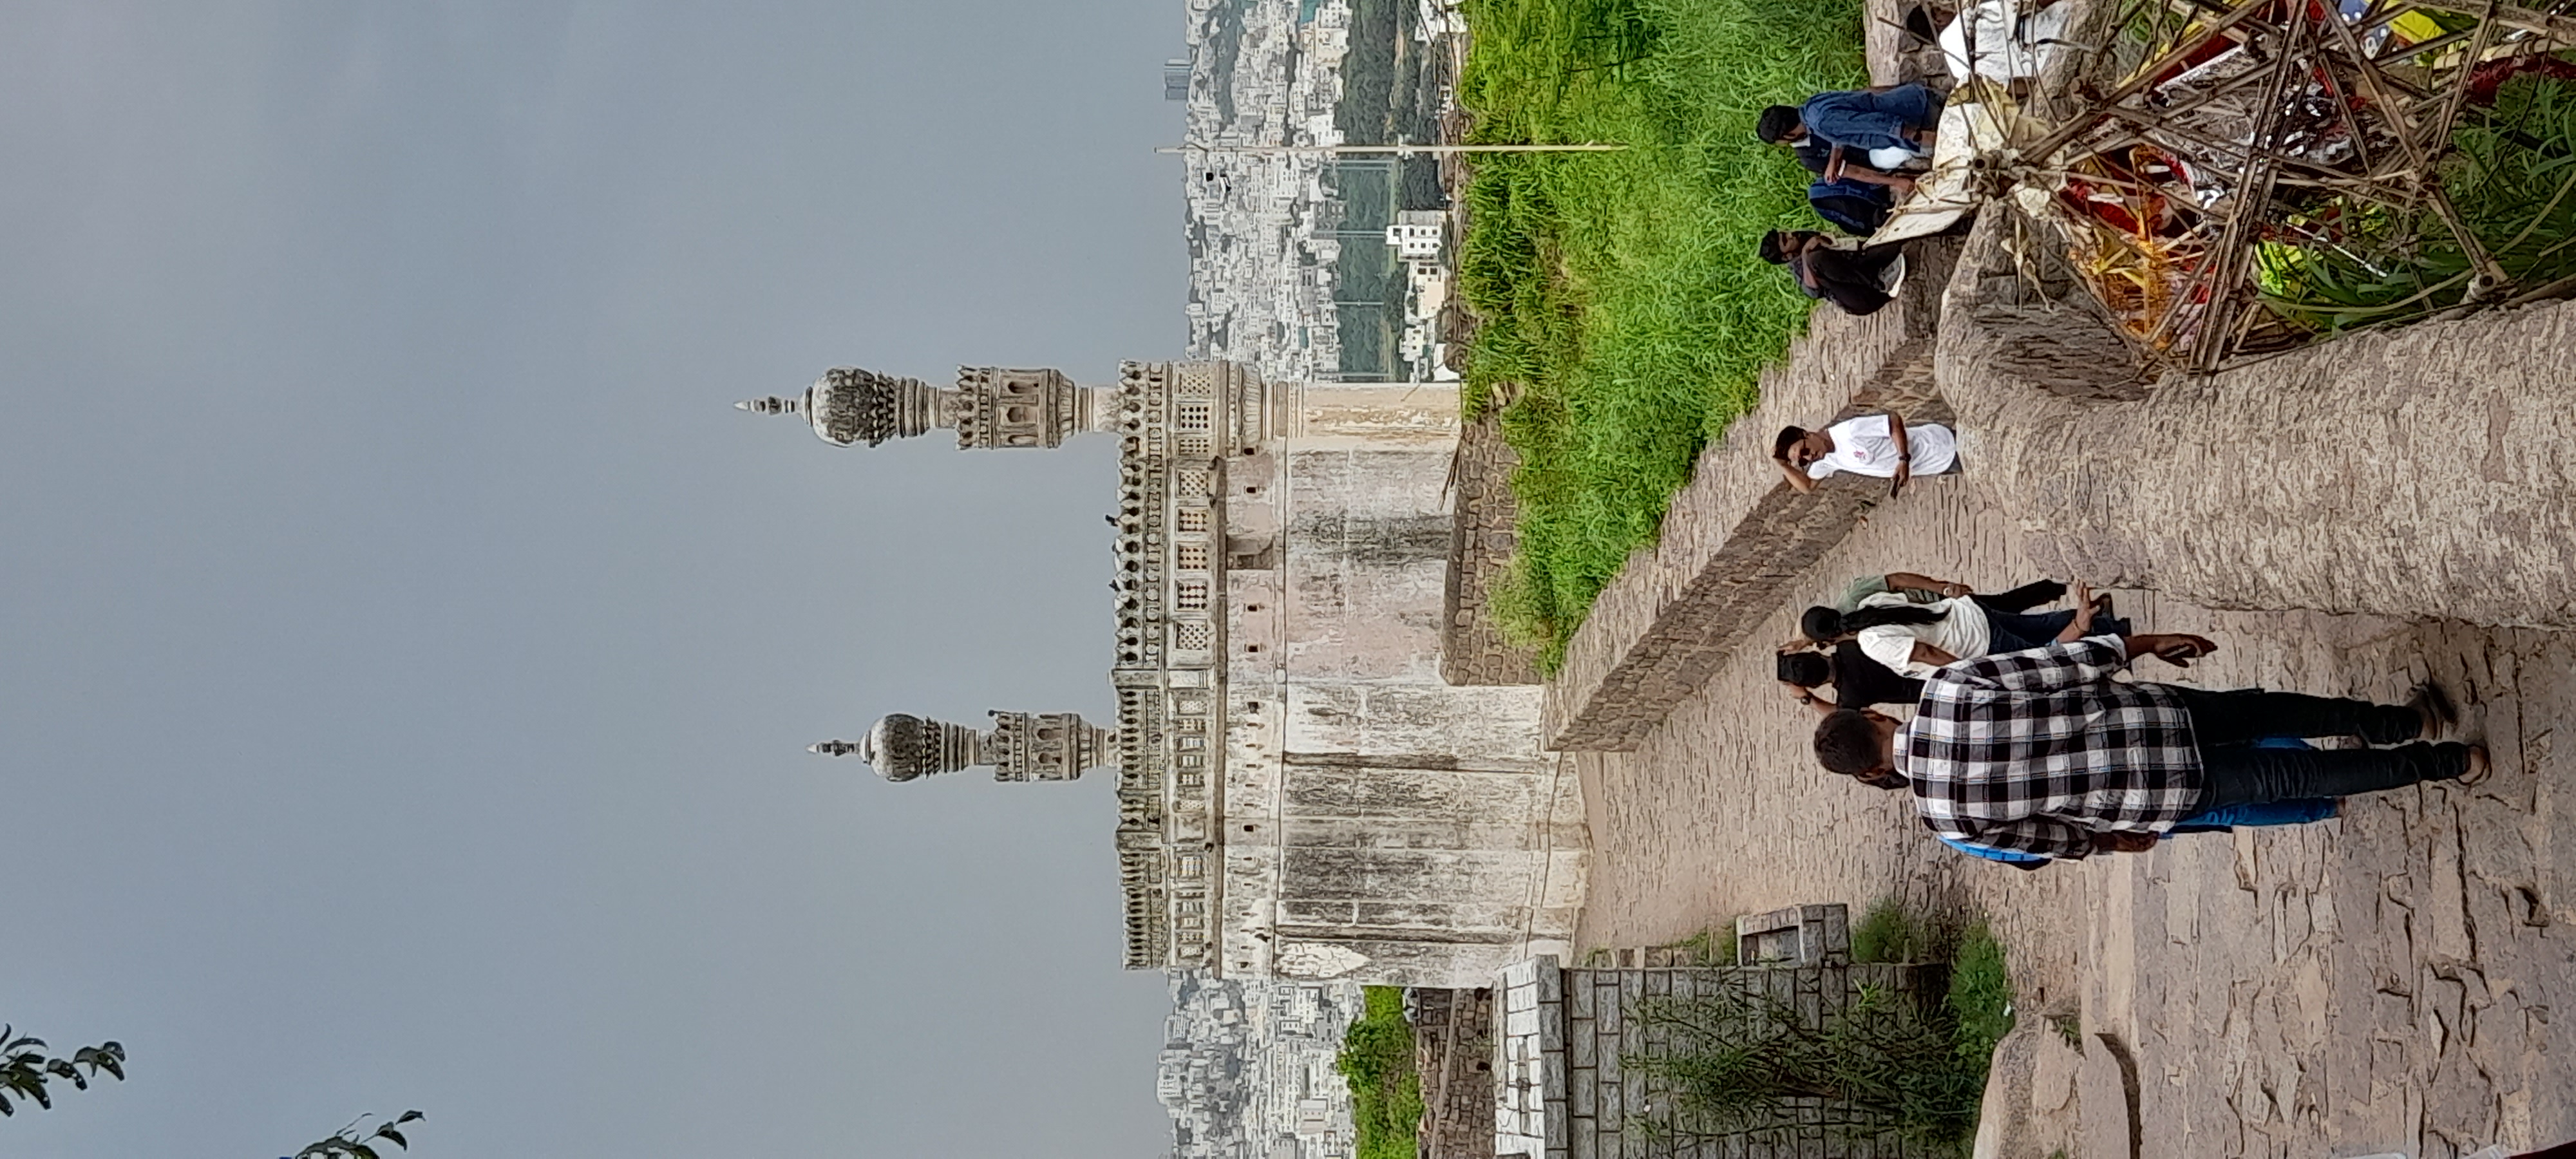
1300 794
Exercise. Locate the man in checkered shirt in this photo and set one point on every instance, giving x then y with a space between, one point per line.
2042 754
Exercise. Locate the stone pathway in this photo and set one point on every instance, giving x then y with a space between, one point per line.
2384 981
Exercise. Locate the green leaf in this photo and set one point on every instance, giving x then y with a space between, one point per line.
387 1132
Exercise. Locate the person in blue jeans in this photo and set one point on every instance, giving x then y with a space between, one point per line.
1904 117
2220 819
2045 753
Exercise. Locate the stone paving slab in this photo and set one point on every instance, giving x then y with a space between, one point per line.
2386 981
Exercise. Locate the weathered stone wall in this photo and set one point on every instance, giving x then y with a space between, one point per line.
1482 539
2412 473
1736 533
1453 1052
1380 825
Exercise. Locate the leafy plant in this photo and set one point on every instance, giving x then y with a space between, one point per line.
1890 932
1980 999
1377 1062
349 1143
2342 264
26 1070
1735 1060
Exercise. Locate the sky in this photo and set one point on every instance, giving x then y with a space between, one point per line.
409 653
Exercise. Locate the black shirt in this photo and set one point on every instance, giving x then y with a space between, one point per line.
1860 681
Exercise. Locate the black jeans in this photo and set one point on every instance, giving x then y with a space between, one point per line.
2023 598
2234 772
2014 631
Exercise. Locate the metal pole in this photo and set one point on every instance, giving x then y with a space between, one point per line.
1397 150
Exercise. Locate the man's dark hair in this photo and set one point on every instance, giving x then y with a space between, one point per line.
1771 248
1884 779
1805 669
1847 743
1825 625
1773 126
1787 438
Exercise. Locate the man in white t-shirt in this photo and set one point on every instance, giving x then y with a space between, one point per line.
1883 445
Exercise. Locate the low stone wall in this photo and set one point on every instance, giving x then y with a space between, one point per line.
1736 535
1472 647
1453 1052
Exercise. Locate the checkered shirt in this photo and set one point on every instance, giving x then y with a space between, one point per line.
2036 751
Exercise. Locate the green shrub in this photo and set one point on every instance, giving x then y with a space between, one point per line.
2512 174
1377 1062
1890 932
1734 1061
1981 997
1902 1068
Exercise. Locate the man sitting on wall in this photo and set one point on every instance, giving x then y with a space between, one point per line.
1901 119
2041 753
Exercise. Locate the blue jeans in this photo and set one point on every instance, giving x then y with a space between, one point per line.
2017 631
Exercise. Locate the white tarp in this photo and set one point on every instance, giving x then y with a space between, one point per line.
1998 41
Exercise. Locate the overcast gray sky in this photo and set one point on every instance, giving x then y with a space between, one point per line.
409 654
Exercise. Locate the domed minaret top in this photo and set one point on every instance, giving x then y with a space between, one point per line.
990 408
1021 746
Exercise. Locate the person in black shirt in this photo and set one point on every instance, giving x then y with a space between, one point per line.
1857 680
1854 280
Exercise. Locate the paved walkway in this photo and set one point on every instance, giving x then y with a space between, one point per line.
2385 981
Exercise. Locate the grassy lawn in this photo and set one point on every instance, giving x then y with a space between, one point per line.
1386 1094
1623 317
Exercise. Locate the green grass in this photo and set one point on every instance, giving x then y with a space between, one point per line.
1709 947
1890 932
1377 1061
1623 318
1981 997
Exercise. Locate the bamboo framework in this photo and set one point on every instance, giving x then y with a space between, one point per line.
2245 129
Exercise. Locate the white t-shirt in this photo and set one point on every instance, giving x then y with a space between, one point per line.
1961 632
1862 446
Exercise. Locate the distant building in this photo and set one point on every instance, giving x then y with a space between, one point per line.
1300 794
1417 234
1176 79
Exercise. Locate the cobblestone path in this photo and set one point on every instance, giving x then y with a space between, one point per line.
2384 981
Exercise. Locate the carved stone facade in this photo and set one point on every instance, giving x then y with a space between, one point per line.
991 408
1300 794
1021 746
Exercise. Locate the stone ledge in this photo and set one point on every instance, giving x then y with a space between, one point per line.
1736 536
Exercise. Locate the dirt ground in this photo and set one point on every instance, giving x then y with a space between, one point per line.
2383 981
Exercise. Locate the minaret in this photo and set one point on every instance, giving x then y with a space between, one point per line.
990 408
1021 746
